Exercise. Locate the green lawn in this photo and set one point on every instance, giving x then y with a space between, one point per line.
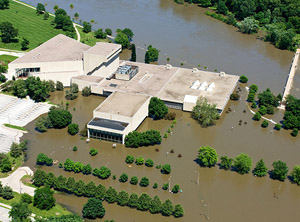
55 211
5 59
30 26
89 38
15 127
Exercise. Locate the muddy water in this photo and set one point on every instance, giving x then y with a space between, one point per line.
220 196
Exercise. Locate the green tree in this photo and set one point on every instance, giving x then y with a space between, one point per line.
8 32
26 198
147 57
134 180
122 39
205 113
70 185
176 188
267 98
251 97
7 193
144 182
5 165
265 124
153 54
149 163
248 25
230 19
178 211
15 150
166 169
243 9
253 88
19 211
39 177
43 198
111 195
122 198
128 32
77 168
133 201
79 188
46 16
69 165
167 208
123 178
243 79
19 88
256 116
139 160
155 205
157 108
73 128
108 31
144 202
133 53
90 189
4 4
99 34
262 110
86 91
242 163
40 8
260 169
226 162
43 159
129 159
207 156
93 152
87 169
59 86
295 132
87 27
280 170
93 209
100 192
155 185
104 172
60 118
296 174
222 8
25 44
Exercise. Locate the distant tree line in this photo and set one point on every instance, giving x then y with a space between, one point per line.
143 202
208 157
136 139
281 18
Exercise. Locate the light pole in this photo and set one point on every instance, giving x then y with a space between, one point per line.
170 184
197 178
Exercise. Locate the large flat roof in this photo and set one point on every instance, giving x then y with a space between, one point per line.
121 103
149 80
104 49
59 48
181 82
88 78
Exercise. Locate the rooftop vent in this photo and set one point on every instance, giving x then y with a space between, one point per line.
168 66
222 74
195 70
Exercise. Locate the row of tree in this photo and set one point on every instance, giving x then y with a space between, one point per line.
136 139
143 202
208 157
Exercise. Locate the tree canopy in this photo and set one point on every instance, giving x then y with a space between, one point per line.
8 32
19 211
157 109
60 118
207 156
280 170
43 198
205 113
242 163
93 209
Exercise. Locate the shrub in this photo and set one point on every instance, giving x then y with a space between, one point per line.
87 169
73 129
270 110
265 124
243 79
149 163
59 86
129 159
226 163
136 139
176 188
234 96
123 178
139 161
167 208
296 174
251 97
257 116
75 148
108 31
86 91
178 211
158 166
26 198
277 126
254 88
134 180
295 132
43 159
170 116
262 110
260 169
155 185
144 182
166 169
254 106
7 193
207 156
93 152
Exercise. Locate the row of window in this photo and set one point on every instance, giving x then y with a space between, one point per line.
108 136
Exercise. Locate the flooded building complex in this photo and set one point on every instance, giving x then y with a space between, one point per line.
128 85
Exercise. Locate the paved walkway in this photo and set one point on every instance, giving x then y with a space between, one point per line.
14 181
4 212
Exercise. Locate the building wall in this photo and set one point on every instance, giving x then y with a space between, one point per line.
56 71
140 115
106 69
91 62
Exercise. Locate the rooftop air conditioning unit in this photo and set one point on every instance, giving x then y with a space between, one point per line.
222 74
168 66
195 70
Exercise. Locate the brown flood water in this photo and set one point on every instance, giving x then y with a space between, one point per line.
220 196
185 33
